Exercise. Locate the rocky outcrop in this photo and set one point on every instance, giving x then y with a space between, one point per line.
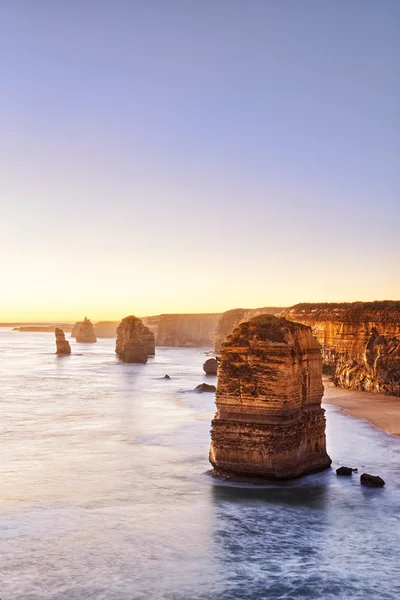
269 421
371 480
135 341
190 331
230 319
205 387
360 342
86 334
148 340
210 367
62 345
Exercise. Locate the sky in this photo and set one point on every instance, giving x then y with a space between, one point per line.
165 156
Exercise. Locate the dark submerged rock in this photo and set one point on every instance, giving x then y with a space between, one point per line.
371 480
210 367
344 471
205 387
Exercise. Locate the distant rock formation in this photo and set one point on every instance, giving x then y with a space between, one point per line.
86 334
210 367
75 329
148 340
106 329
269 421
135 341
42 328
62 345
360 342
189 331
230 319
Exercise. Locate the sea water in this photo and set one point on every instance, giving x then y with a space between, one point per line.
104 492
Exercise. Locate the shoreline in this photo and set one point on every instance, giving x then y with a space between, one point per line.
378 409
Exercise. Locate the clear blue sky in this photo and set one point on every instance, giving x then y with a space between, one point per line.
197 155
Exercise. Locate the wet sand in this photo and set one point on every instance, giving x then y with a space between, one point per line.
380 410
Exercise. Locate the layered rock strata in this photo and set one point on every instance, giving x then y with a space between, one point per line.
62 345
269 421
360 342
230 319
135 341
86 334
190 331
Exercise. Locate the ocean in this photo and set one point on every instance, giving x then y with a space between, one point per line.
104 491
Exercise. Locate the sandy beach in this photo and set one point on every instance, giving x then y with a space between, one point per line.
380 410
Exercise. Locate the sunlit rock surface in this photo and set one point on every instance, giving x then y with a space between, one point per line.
86 334
189 330
230 319
135 341
269 421
62 345
360 342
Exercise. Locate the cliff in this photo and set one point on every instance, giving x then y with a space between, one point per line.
86 334
62 345
191 330
360 342
230 319
269 421
106 329
135 341
42 328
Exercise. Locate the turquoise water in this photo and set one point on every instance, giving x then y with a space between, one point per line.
104 495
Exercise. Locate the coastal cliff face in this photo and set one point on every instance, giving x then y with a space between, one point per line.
360 342
86 334
106 329
135 341
269 421
230 319
191 330
62 345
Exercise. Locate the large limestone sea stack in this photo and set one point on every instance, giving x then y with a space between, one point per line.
135 341
62 345
269 422
86 334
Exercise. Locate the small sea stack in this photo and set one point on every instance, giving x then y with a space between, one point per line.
269 422
210 367
135 341
86 334
62 345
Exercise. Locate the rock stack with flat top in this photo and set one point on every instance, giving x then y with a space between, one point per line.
269 422
62 344
86 334
135 341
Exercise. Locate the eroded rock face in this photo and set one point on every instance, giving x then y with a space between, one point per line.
269 421
230 319
86 334
135 341
190 331
210 367
62 345
360 342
